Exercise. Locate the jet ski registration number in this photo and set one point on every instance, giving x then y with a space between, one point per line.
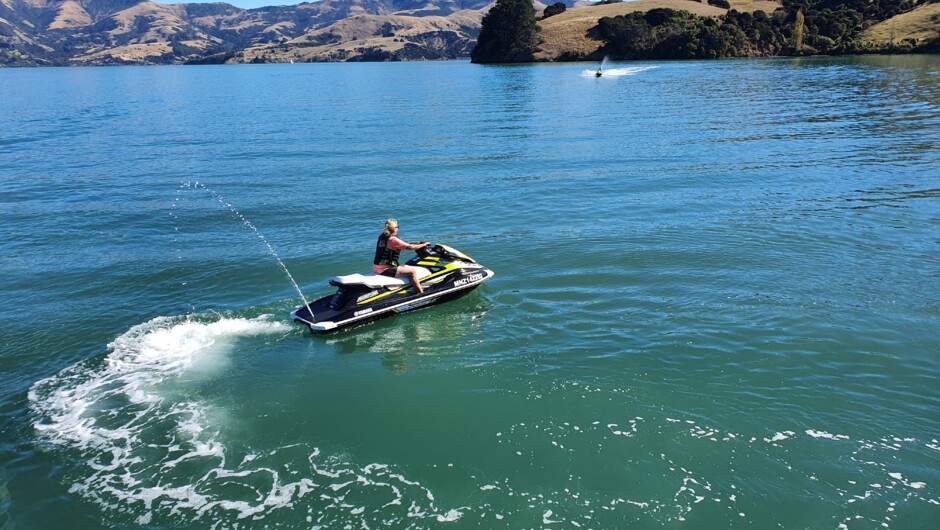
469 279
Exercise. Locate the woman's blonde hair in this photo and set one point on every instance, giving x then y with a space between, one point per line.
390 226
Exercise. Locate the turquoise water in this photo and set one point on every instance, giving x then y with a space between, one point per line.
716 302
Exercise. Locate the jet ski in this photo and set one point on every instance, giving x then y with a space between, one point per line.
444 272
599 72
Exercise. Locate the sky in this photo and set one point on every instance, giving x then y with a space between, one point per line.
249 4
245 4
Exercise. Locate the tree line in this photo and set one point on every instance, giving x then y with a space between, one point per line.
510 34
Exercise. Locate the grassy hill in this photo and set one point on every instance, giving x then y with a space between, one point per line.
921 24
98 32
376 38
567 33
95 32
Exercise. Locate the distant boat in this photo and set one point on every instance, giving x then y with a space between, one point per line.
291 61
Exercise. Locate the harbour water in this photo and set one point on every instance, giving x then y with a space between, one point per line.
716 302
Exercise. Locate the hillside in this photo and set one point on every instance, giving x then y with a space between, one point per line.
98 32
686 29
568 33
376 38
921 24
102 32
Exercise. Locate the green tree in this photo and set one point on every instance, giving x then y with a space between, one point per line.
555 9
798 32
627 36
508 34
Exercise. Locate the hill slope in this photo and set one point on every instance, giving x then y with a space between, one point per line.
921 24
376 38
687 29
96 32
92 32
568 33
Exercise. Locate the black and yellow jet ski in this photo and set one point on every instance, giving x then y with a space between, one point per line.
445 274
599 72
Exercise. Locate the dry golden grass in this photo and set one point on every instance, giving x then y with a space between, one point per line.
134 53
567 32
19 36
162 15
922 24
167 23
364 29
70 15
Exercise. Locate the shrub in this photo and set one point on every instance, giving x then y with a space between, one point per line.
555 9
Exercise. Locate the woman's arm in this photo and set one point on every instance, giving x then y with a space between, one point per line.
395 243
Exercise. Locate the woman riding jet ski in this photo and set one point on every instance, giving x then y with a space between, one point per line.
443 272
387 251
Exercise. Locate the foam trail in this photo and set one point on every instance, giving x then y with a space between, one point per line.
618 72
140 359
140 444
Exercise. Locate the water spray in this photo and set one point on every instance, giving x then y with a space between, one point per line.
218 197
617 72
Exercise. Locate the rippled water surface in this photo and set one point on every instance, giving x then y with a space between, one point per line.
716 302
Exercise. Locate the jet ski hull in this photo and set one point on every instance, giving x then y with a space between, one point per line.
363 299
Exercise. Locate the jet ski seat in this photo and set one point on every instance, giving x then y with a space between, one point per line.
377 281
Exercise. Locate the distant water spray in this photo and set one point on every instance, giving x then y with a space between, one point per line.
617 72
218 197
